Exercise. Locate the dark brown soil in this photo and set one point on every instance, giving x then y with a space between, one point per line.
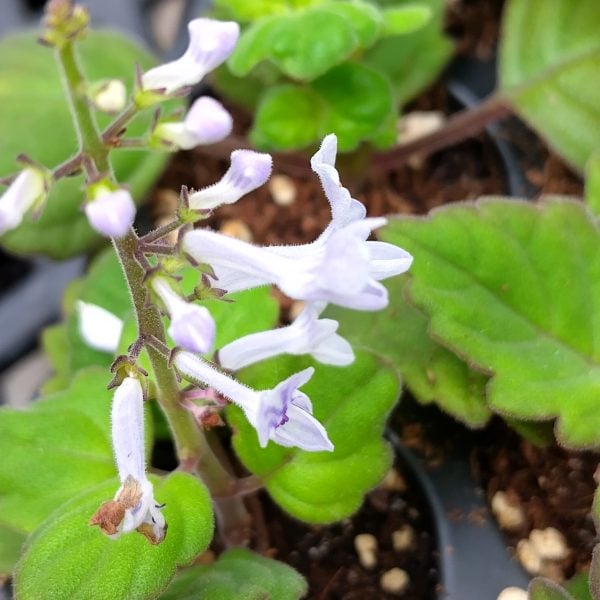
553 486
327 557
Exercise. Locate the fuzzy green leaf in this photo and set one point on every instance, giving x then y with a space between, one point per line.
68 559
544 589
11 543
35 110
288 117
550 71
296 43
365 18
592 184
242 10
514 288
238 575
54 450
399 335
413 60
405 19
352 403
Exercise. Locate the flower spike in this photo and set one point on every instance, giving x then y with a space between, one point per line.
192 326
306 335
248 171
211 43
207 122
283 414
134 506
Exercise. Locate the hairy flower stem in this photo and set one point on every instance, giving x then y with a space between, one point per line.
193 450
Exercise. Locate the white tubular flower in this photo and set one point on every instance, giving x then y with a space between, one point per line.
99 328
207 122
211 43
248 170
110 212
28 189
337 271
192 326
306 335
344 208
134 506
283 414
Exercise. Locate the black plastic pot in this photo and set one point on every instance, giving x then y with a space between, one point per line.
474 563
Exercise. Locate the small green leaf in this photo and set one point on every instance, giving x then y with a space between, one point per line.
579 587
550 70
353 404
288 117
54 450
358 101
35 110
296 43
242 10
365 18
507 285
68 559
544 589
412 61
399 335
405 19
11 544
238 575
592 184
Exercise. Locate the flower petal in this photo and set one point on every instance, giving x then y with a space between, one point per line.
99 328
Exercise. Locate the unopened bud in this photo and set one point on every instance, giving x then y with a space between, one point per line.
110 212
109 96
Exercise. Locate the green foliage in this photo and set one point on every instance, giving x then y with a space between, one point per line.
242 10
11 543
352 99
544 589
35 112
238 575
579 587
507 285
412 61
352 403
399 336
592 184
550 71
68 559
313 61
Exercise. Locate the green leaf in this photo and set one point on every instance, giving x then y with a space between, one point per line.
242 10
592 184
35 110
352 403
364 18
412 61
54 450
550 71
288 117
399 335
544 589
238 575
579 587
508 285
11 543
68 559
296 44
405 19
358 101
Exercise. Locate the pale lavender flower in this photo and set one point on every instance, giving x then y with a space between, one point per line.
211 43
283 414
99 328
134 506
111 212
207 122
248 170
344 208
306 335
28 189
337 271
192 326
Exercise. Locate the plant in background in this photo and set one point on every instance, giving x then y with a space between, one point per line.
302 84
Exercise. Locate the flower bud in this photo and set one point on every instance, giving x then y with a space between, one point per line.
27 190
110 212
207 122
109 96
